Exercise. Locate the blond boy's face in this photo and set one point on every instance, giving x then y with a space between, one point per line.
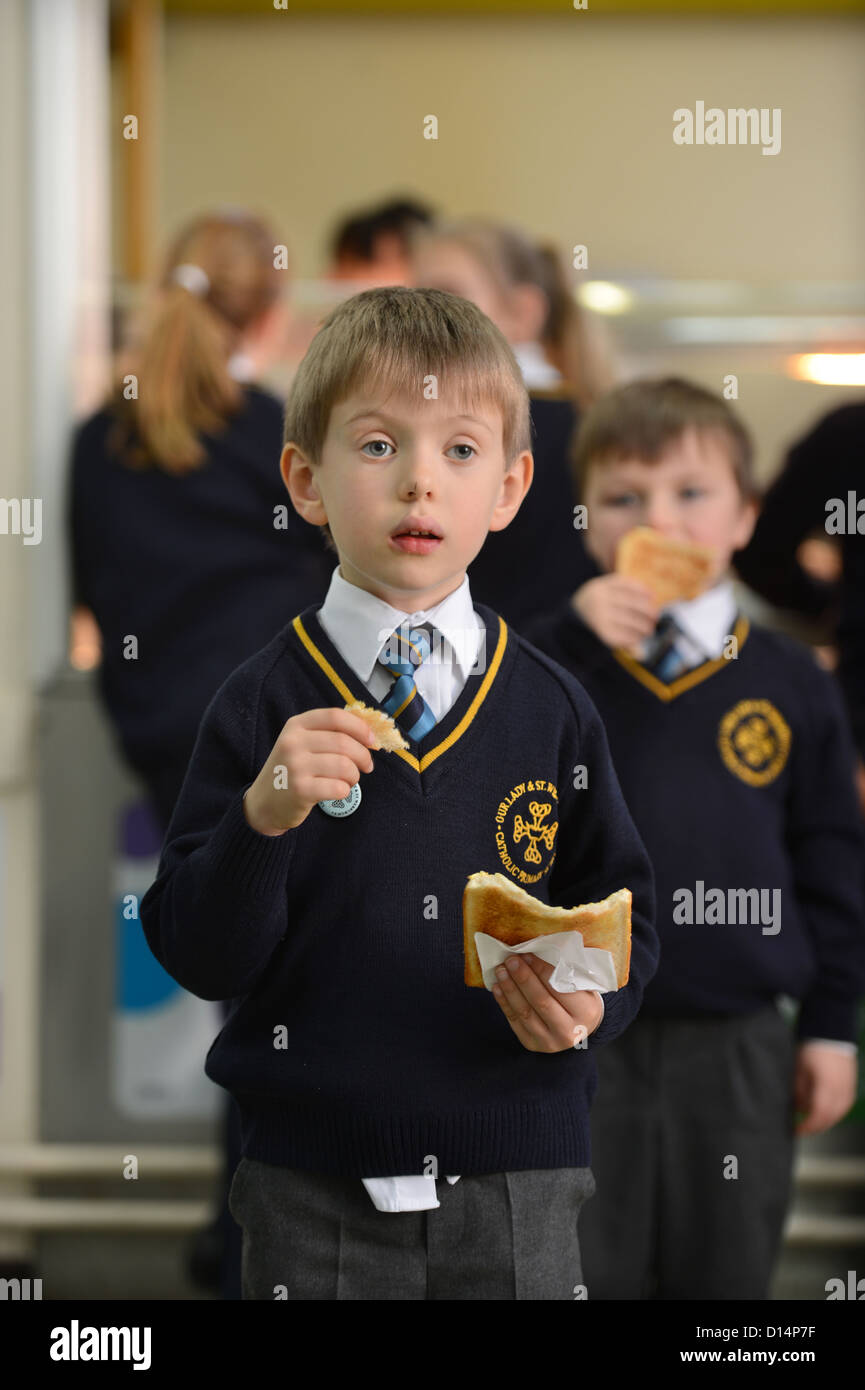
689 494
386 461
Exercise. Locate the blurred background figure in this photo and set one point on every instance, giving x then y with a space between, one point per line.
540 557
372 248
806 559
185 546
177 507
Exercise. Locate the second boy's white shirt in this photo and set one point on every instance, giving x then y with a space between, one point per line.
706 623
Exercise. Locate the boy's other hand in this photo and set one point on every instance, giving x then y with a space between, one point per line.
824 1086
622 612
318 756
543 1019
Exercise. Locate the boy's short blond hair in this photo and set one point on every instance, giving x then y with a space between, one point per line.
641 419
395 339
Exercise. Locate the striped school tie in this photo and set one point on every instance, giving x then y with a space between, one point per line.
402 653
663 658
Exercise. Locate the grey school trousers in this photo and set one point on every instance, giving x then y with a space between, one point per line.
692 1150
494 1236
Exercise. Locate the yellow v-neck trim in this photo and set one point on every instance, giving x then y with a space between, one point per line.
690 678
419 764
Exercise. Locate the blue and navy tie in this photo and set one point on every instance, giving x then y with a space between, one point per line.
663 658
403 652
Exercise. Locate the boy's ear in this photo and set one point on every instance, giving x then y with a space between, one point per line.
747 521
515 485
299 478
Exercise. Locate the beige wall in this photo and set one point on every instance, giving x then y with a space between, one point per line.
560 123
563 123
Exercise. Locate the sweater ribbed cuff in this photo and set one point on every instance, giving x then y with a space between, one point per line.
828 1018
256 863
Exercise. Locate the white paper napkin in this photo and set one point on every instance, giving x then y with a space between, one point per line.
576 966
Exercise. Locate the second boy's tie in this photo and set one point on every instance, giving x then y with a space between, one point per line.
402 653
663 658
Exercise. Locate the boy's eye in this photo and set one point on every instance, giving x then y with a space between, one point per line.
464 458
373 444
690 492
621 499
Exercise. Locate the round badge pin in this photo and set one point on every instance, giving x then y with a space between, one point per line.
343 805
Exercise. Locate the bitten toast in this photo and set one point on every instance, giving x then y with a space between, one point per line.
387 733
671 569
500 908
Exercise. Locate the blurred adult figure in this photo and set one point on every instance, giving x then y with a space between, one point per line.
371 247
539 559
820 489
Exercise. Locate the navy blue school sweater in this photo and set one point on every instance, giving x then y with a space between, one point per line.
539 559
354 1046
738 776
191 565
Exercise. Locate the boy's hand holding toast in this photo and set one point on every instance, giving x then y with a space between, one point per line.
622 607
318 756
620 611
543 1019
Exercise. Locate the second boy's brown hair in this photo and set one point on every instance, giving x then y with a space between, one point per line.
397 339
640 420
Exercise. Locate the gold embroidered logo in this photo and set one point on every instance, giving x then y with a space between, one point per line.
754 740
526 831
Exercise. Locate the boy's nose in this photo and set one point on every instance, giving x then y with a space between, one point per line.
662 517
417 473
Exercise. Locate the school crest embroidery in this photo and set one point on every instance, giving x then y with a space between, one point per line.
526 826
754 739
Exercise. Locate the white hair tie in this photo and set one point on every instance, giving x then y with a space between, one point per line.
191 277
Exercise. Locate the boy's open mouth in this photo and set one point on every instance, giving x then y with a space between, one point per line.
416 539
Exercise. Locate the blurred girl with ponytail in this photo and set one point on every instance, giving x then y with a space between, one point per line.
177 507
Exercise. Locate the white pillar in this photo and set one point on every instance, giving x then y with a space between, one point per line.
54 280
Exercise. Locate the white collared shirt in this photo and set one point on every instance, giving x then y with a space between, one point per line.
359 624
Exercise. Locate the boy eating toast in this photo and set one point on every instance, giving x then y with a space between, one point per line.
404 1136
737 765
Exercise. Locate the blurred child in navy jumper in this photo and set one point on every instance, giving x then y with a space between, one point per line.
540 558
304 895
736 761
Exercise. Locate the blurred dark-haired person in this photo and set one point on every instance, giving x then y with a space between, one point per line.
529 568
812 494
371 247
181 540
734 753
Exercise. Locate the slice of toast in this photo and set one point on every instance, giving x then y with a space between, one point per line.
495 905
387 734
671 569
